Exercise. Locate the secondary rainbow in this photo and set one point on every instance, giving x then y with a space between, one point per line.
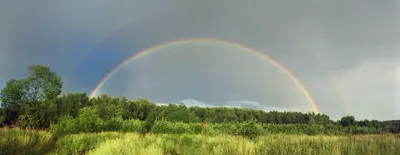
219 41
319 60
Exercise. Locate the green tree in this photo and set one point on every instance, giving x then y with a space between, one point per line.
43 83
348 121
31 99
12 97
70 104
183 115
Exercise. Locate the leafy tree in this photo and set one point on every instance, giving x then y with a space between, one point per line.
70 104
28 100
12 96
311 120
183 115
43 83
348 121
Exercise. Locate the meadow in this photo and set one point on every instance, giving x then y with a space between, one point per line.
41 122
17 141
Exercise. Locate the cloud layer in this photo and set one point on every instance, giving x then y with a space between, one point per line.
353 41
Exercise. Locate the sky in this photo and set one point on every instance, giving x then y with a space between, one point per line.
344 52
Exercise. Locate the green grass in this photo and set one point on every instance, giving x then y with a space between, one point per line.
16 141
236 145
80 143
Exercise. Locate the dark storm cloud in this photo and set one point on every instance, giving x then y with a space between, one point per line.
312 38
56 33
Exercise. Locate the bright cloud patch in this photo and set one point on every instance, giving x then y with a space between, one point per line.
234 104
193 102
243 103
257 105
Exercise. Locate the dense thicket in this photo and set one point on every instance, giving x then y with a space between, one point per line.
35 102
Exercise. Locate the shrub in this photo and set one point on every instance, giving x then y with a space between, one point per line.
65 125
133 125
87 121
173 128
251 129
113 124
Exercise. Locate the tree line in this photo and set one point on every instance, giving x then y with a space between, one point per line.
36 102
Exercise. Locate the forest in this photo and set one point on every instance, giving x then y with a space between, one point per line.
35 103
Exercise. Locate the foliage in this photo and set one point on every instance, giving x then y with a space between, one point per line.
77 125
251 129
19 142
12 97
348 121
43 84
27 100
34 102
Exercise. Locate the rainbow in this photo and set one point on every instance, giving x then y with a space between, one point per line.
333 78
242 47
335 82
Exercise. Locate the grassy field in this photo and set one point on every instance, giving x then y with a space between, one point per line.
15 141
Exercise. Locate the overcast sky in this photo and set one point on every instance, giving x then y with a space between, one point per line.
346 53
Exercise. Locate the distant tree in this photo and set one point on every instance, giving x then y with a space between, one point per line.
348 121
70 104
364 123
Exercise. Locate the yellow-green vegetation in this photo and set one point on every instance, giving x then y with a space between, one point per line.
16 141
80 143
234 145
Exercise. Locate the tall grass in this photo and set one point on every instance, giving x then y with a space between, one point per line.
81 143
16 141
237 145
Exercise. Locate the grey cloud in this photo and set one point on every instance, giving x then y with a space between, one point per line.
289 31
207 71
315 39
371 89
57 33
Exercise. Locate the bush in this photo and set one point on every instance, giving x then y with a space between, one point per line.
65 125
251 129
113 124
174 127
87 121
133 126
